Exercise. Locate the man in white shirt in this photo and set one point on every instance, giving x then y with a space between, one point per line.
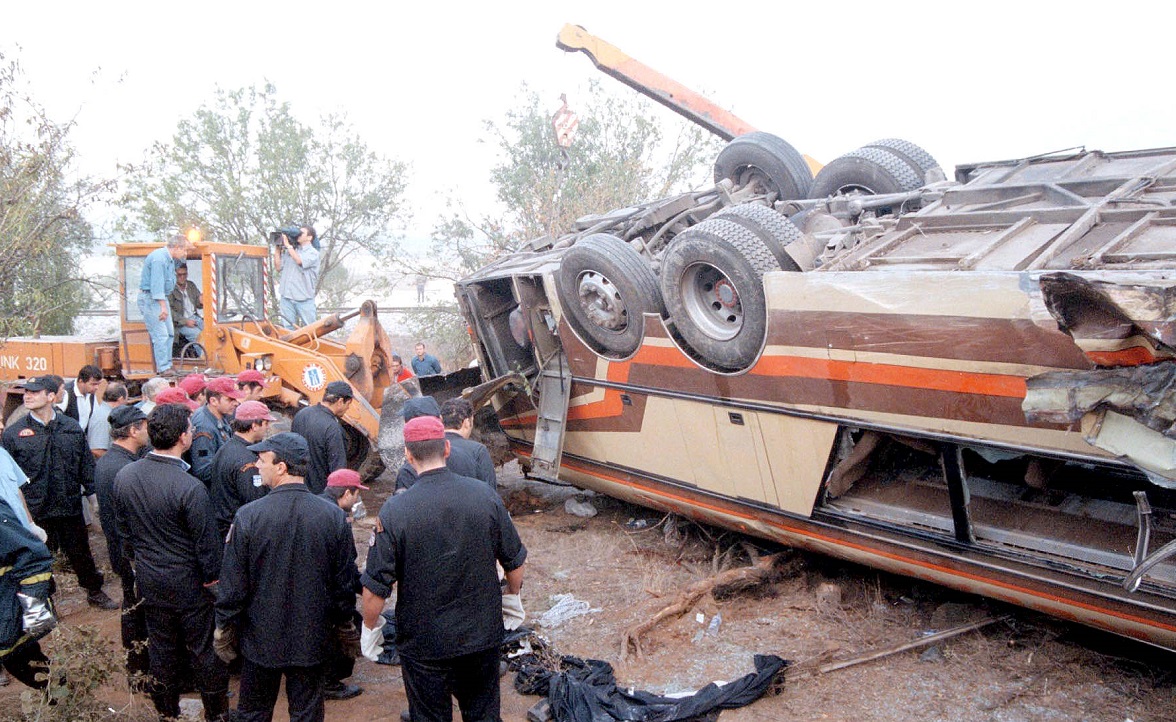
77 399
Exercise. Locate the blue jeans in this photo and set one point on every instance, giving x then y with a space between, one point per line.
190 334
298 313
161 332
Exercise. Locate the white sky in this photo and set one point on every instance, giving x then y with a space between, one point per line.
967 81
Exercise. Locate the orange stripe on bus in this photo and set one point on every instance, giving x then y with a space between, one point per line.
1134 356
890 375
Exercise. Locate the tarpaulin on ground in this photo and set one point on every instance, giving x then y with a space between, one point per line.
586 691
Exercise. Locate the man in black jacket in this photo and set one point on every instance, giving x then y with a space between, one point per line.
286 589
235 481
128 434
319 425
52 451
164 519
466 456
449 607
414 407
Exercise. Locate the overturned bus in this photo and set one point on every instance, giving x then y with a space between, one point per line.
967 381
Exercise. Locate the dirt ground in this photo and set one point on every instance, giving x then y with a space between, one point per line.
627 563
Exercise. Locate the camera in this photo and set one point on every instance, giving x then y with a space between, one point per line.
275 237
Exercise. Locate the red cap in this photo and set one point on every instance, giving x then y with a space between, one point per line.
192 384
175 395
253 411
345 477
424 428
251 376
225 386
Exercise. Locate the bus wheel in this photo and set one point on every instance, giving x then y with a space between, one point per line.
712 282
767 160
605 288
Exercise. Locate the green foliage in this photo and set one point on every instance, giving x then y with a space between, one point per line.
244 165
84 668
42 233
622 154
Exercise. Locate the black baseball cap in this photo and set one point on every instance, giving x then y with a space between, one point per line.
420 406
288 446
37 383
125 416
342 389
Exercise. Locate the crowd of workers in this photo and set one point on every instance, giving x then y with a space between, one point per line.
234 548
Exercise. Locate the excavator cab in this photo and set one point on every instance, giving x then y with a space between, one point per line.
231 279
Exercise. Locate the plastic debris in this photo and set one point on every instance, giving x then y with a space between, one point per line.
563 608
576 507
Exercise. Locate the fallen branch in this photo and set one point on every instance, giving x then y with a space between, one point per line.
765 570
915 644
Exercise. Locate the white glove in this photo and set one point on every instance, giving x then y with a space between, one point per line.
512 611
371 641
39 532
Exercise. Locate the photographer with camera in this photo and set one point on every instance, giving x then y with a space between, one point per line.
298 264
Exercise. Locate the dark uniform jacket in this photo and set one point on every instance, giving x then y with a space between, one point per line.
57 460
25 567
286 582
324 436
234 471
440 540
209 434
165 521
469 458
105 470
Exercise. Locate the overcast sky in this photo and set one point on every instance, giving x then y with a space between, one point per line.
968 81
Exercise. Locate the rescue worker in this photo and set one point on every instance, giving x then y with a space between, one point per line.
162 514
414 407
449 606
175 395
342 490
235 480
320 426
251 382
287 587
26 581
211 425
195 386
466 456
128 434
52 451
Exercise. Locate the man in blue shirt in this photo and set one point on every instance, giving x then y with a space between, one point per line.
156 283
425 364
299 268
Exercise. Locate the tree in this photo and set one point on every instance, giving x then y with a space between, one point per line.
243 165
43 235
622 154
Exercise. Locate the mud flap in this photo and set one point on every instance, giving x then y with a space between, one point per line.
553 386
